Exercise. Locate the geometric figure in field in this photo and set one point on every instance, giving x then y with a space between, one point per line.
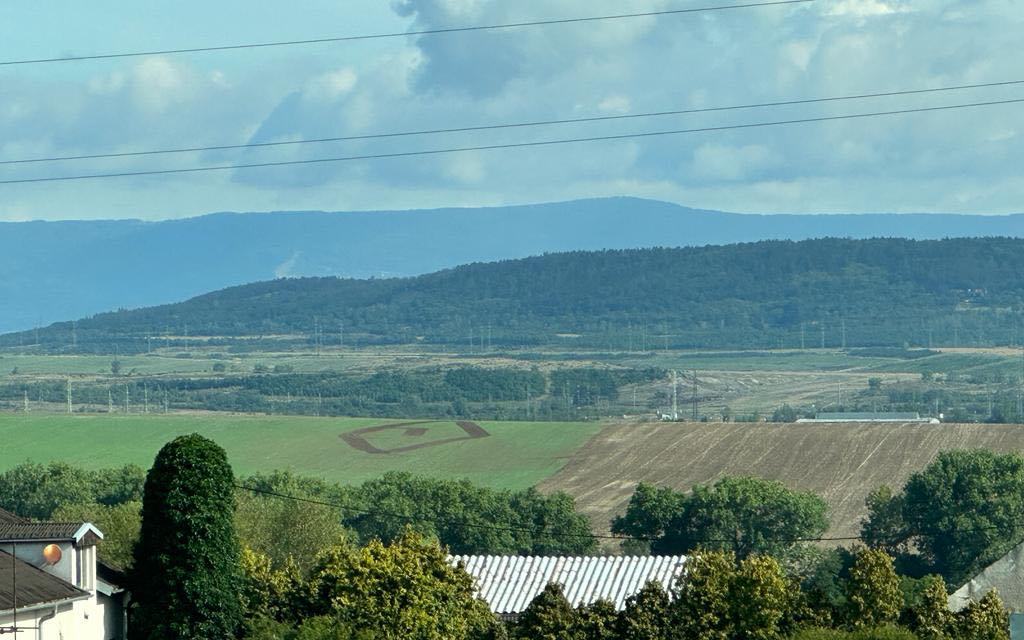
373 440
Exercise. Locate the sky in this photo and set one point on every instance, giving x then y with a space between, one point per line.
957 161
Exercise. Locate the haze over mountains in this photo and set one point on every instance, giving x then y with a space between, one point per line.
55 271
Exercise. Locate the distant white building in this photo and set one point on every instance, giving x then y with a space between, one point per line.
864 416
52 586
509 583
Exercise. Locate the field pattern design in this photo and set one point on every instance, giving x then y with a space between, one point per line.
358 439
840 462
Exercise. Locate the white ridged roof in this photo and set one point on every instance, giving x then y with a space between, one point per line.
509 583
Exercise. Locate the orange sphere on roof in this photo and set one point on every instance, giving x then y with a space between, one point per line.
52 554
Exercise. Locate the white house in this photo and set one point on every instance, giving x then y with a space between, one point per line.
53 587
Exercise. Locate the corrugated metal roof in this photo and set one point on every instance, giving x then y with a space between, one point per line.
509 583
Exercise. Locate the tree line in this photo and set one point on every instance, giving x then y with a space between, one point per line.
431 392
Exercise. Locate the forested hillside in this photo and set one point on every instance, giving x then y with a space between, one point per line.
55 271
831 292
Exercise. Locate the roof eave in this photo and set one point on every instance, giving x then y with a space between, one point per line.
84 595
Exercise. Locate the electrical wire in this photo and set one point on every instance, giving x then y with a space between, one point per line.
513 145
515 125
422 32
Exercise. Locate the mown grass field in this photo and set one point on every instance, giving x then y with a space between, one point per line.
515 455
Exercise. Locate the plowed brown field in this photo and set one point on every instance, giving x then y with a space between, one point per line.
839 462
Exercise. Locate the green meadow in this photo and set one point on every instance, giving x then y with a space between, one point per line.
513 455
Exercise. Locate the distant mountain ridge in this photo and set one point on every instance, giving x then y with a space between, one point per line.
51 271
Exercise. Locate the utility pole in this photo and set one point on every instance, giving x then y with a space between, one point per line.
69 394
822 334
675 396
802 345
842 331
145 396
1020 388
110 401
127 400
341 333
74 334
26 401
695 417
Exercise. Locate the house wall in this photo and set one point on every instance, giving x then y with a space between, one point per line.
97 618
61 627
32 553
113 616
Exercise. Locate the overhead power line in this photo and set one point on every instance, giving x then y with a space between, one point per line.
512 125
512 145
421 32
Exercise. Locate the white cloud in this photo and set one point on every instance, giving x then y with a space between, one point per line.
861 8
615 104
159 82
713 161
332 85
107 83
466 168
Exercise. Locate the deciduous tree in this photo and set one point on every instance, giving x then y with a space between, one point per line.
873 593
406 589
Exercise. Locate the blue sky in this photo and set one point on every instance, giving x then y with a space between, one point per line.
961 161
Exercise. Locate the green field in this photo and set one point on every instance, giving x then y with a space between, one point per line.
515 455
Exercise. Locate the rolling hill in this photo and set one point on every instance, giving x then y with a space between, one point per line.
770 294
60 270
841 463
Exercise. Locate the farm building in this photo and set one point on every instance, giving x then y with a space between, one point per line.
509 583
51 584
1006 575
868 416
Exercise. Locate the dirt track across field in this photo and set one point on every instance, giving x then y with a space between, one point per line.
840 462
